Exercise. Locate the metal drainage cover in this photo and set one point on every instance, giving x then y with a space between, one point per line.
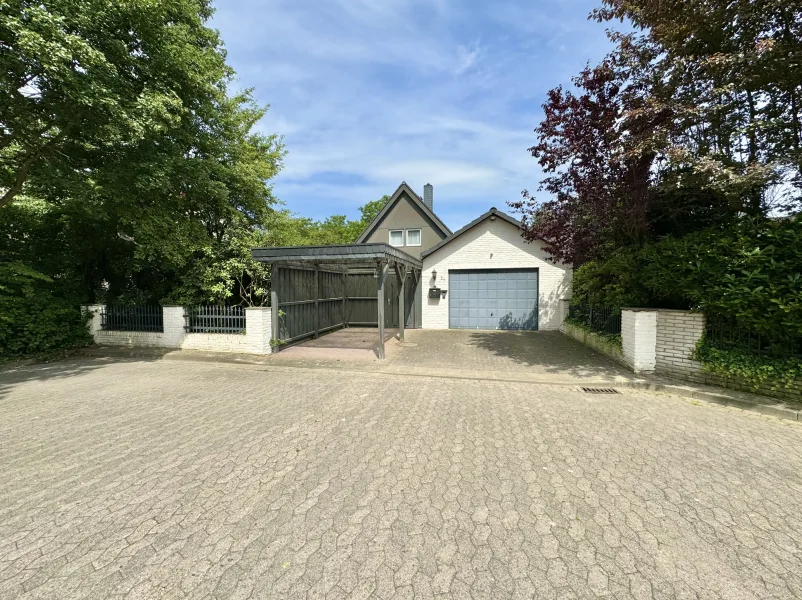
588 390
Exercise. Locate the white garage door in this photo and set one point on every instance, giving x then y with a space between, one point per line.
493 299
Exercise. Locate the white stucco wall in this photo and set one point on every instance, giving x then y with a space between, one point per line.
495 245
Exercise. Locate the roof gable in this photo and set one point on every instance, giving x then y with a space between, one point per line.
416 200
493 212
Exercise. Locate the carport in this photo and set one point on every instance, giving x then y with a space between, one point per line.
319 289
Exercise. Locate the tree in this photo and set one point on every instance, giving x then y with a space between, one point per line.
370 210
692 120
82 80
596 147
735 71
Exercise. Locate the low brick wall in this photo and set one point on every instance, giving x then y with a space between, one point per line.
678 332
662 342
255 340
593 340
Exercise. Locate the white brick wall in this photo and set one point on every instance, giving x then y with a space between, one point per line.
495 245
678 332
256 340
638 339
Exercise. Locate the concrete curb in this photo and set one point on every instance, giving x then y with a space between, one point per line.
751 402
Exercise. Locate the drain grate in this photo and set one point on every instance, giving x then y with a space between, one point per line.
600 390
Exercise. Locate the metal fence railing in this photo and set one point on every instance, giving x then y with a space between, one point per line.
132 318
214 319
725 333
602 319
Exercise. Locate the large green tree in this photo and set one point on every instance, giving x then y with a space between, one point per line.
82 81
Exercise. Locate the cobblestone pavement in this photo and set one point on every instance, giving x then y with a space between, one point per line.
171 479
533 352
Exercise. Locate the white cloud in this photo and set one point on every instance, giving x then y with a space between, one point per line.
372 92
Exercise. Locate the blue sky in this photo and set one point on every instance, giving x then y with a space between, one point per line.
368 93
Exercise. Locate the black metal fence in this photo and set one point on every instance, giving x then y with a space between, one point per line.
214 319
602 319
132 318
725 333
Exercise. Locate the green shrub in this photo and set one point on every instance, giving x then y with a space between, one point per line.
738 363
34 317
610 282
750 272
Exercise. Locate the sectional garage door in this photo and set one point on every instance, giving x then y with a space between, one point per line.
493 299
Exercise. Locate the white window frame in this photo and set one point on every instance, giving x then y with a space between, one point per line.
392 231
420 237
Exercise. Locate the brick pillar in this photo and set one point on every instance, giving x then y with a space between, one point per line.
639 339
174 323
259 329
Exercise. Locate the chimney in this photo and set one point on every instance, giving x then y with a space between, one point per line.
428 196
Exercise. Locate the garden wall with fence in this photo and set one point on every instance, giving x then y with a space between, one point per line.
207 328
597 327
665 342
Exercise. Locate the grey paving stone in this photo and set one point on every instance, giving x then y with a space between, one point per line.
168 479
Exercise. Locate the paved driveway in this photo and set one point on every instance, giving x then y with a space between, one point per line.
170 479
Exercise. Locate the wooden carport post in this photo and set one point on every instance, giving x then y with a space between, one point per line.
401 275
274 306
382 271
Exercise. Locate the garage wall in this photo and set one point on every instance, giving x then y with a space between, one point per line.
494 245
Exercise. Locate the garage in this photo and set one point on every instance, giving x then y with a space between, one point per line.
493 299
487 276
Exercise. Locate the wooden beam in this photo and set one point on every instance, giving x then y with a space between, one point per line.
317 303
274 306
345 300
382 268
401 273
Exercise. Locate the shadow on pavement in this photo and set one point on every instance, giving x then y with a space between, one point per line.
73 366
547 351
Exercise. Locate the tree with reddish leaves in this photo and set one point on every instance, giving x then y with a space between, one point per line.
596 147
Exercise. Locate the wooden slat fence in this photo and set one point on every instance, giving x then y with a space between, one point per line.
314 302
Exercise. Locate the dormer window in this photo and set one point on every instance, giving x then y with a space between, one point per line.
397 237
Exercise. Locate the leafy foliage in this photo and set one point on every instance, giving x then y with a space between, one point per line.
611 282
693 120
750 271
759 371
34 317
83 81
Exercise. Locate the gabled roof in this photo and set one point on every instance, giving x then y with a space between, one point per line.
493 212
416 200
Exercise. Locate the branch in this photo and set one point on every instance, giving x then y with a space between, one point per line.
25 167
22 175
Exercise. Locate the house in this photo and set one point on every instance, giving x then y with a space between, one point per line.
486 275
407 222
408 262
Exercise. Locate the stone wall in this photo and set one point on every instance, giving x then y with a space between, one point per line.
678 332
662 342
255 340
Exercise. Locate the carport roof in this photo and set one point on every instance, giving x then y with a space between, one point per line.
344 254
